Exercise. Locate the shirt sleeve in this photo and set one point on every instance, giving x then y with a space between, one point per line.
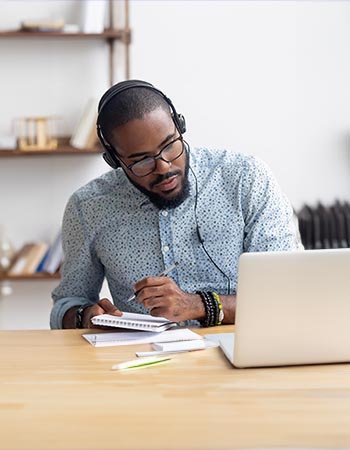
82 273
268 214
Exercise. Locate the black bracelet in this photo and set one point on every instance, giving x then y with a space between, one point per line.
205 308
205 320
210 307
215 308
79 313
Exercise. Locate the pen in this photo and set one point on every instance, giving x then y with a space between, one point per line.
163 274
141 362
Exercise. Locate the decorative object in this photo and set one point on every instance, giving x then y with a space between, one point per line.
35 133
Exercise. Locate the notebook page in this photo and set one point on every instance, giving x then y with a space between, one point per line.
142 317
134 321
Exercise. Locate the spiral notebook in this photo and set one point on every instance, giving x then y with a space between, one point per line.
134 321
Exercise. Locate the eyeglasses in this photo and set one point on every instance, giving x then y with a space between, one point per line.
169 153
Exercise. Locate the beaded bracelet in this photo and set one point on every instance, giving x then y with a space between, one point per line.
210 309
221 309
205 321
217 306
214 312
79 313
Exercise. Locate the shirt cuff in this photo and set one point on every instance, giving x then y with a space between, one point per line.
61 307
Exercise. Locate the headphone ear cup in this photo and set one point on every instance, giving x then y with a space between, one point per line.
182 123
108 155
113 162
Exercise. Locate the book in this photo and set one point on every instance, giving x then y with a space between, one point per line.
94 16
42 262
92 139
29 258
85 130
54 256
140 337
34 257
20 260
134 321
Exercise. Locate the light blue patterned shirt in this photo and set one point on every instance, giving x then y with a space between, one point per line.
112 230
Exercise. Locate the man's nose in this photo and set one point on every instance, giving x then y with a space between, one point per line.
162 166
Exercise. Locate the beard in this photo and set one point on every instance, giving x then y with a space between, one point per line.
173 202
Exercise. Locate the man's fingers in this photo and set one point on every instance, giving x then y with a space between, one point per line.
153 302
161 311
150 292
108 307
151 281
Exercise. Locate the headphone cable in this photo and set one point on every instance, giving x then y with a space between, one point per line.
201 240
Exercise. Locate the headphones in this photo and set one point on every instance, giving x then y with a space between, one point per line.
110 154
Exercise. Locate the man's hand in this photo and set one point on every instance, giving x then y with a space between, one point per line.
163 297
103 306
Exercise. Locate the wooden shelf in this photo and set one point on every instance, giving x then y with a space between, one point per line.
34 276
124 35
63 149
59 151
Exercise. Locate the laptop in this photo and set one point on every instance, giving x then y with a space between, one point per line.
292 308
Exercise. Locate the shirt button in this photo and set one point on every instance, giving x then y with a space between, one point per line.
165 248
164 213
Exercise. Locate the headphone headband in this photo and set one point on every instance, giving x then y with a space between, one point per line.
110 153
124 86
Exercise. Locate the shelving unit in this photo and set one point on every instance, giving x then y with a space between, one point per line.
111 36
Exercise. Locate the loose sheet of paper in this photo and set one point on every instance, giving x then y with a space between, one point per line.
140 337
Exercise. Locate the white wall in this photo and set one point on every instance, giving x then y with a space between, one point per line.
266 77
269 78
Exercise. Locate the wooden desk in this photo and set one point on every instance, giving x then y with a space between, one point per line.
58 392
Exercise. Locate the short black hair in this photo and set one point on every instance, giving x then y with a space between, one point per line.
128 105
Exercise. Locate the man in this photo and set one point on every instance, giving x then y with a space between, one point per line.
164 203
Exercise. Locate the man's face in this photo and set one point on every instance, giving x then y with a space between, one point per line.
167 185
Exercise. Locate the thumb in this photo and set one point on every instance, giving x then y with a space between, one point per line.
108 307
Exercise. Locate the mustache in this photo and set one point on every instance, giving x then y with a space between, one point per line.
161 178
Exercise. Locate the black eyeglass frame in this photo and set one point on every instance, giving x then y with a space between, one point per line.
154 158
